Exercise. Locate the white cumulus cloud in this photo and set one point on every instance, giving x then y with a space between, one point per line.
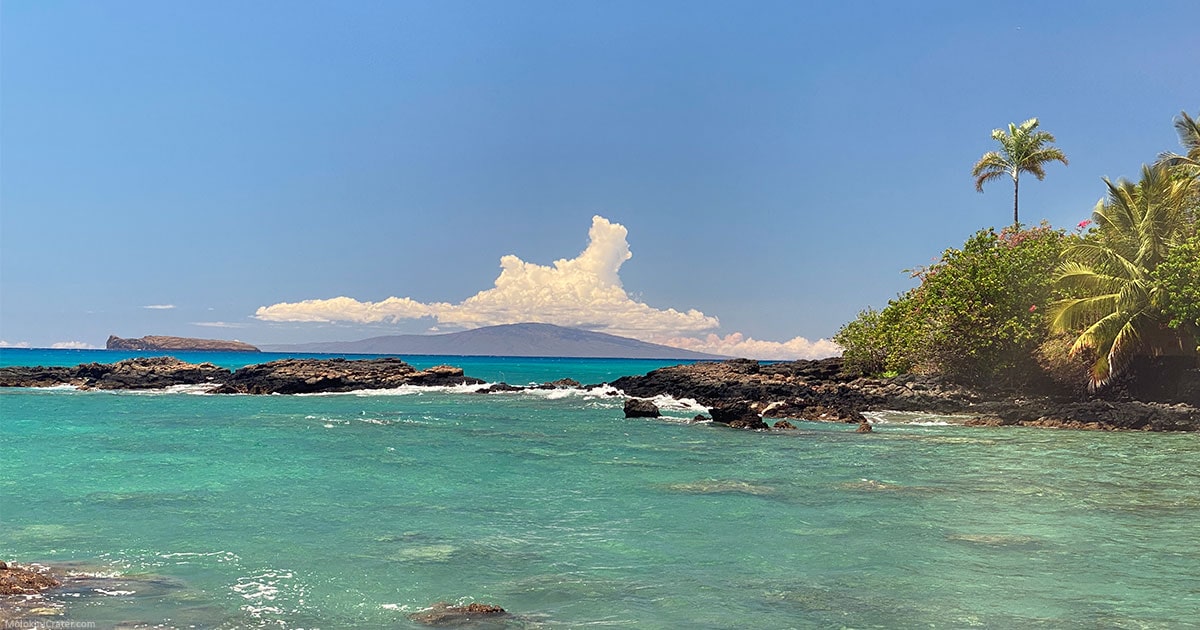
739 345
18 344
581 292
344 309
72 345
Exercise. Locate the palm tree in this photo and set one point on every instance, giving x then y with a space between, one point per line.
1119 309
1187 166
1189 137
1022 149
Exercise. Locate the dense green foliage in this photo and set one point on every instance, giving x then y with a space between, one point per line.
1133 280
1020 305
1023 149
977 315
881 342
1179 276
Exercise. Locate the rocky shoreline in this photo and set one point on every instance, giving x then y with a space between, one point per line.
744 394
286 376
739 393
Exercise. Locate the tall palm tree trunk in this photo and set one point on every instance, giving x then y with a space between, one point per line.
1016 187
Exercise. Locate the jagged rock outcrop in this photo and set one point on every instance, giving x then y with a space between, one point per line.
18 580
161 342
287 376
740 393
309 376
139 373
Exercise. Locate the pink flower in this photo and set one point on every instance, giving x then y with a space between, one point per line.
1032 307
1084 223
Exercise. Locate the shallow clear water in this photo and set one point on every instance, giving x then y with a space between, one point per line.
356 510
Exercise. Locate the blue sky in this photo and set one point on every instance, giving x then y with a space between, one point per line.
772 167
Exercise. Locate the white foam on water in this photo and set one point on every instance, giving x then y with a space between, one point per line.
186 557
113 593
678 404
405 390
913 418
58 388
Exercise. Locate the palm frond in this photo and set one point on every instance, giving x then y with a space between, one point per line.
1105 260
1189 135
1071 314
1124 346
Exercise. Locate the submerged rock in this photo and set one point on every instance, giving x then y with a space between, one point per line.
864 427
447 614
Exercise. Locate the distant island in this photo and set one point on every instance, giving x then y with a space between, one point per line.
161 342
509 340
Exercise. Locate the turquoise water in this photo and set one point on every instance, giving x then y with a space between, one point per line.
352 511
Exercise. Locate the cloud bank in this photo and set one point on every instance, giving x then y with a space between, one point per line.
739 345
72 345
582 292
159 307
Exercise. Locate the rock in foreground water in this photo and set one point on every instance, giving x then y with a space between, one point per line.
446 614
18 580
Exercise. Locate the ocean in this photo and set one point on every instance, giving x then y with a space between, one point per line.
356 510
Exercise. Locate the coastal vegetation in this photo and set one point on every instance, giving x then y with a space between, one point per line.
1032 306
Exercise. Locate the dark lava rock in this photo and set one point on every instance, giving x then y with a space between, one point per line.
738 415
562 383
446 614
307 376
1101 415
139 373
442 375
40 376
841 413
819 391
864 427
641 408
500 388
783 424
286 376
17 580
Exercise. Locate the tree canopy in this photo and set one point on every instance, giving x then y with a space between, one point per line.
1023 149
